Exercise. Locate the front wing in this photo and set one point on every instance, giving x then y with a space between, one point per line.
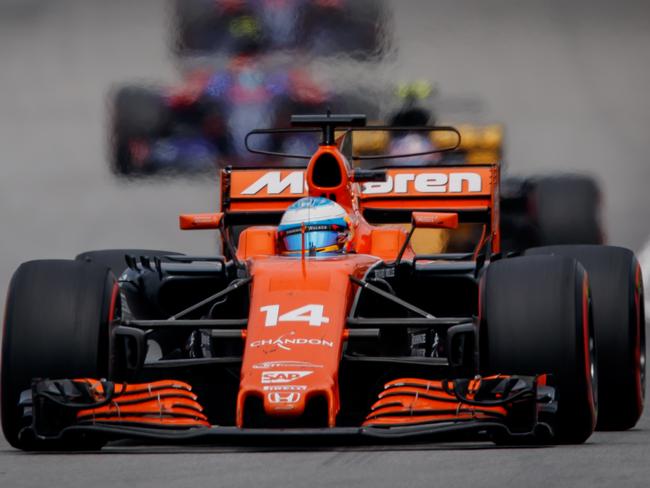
506 408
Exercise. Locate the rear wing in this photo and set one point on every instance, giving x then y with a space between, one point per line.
256 196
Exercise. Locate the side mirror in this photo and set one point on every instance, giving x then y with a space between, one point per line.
434 220
200 221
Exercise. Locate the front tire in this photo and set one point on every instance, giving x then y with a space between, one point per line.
56 326
535 320
619 327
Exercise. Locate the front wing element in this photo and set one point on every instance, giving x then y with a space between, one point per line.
504 407
58 404
514 401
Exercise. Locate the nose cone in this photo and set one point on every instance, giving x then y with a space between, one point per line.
295 336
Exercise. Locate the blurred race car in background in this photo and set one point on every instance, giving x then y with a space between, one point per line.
198 125
358 29
253 70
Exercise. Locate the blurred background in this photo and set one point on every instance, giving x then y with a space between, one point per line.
564 85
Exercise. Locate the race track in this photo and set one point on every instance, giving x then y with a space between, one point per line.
568 79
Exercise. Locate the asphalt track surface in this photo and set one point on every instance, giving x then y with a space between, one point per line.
569 80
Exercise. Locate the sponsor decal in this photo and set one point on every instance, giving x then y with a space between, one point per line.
285 364
275 184
425 183
313 314
284 388
283 376
280 397
293 183
286 342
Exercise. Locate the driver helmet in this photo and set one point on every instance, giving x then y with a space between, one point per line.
316 225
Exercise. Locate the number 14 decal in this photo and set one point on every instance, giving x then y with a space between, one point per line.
309 313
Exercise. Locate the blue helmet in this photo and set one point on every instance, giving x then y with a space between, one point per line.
315 224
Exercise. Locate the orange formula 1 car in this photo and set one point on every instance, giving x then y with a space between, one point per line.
321 322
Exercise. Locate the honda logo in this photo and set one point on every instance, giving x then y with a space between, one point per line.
283 397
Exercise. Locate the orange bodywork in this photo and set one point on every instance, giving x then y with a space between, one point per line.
200 221
295 332
445 189
412 401
299 306
257 241
159 403
435 220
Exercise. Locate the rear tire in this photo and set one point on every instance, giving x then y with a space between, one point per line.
56 326
138 114
535 320
619 326
566 210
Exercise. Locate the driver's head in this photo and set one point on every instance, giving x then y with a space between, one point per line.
316 225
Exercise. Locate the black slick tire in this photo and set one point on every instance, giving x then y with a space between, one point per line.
56 326
535 320
619 326
566 210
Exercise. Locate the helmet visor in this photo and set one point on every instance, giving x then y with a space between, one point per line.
318 240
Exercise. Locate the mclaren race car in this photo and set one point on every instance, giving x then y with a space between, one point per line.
320 322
